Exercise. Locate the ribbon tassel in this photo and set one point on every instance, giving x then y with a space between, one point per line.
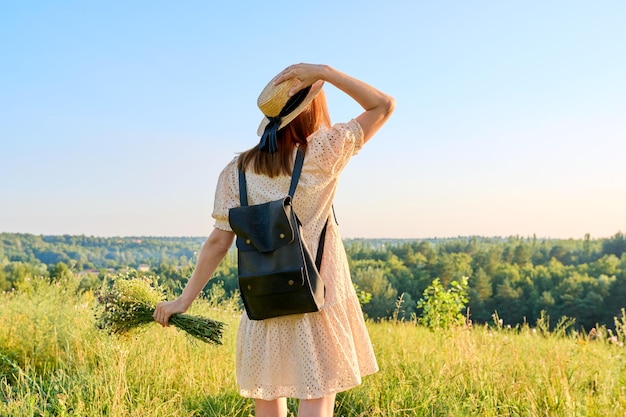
269 140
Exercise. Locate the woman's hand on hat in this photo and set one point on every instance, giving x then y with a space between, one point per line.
306 74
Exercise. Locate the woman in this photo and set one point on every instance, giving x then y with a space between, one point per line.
307 356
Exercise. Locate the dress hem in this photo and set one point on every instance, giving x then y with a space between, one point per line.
292 392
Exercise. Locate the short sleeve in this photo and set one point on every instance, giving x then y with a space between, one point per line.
331 149
226 196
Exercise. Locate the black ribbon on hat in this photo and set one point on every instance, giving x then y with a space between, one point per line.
269 139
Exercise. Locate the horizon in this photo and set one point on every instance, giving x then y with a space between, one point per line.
460 237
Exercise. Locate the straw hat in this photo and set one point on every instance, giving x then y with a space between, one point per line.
273 99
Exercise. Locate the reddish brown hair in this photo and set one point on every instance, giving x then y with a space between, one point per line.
312 118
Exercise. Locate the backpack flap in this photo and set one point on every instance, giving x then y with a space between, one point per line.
262 227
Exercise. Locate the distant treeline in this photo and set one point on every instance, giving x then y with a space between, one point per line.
515 277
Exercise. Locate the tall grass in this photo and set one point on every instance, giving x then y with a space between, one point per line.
480 372
54 362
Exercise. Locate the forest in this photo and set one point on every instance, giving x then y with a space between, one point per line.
515 279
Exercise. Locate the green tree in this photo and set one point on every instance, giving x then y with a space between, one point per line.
480 291
508 301
402 280
443 308
59 271
546 301
5 284
453 266
615 245
373 281
522 255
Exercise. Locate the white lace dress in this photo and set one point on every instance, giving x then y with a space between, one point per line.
316 354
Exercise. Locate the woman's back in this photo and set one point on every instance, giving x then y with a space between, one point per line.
327 153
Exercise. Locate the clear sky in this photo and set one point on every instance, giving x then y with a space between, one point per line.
116 117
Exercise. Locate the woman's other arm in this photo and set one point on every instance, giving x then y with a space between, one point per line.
378 106
213 251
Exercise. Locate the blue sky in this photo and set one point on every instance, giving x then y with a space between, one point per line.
117 117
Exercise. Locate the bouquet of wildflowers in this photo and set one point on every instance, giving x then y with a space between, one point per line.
130 302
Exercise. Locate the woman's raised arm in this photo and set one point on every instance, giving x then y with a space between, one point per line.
378 106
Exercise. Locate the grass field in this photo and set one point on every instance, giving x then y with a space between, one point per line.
53 362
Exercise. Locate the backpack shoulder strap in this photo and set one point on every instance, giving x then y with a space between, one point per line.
295 177
295 173
243 190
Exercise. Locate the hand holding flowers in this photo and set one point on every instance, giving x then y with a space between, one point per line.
130 303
